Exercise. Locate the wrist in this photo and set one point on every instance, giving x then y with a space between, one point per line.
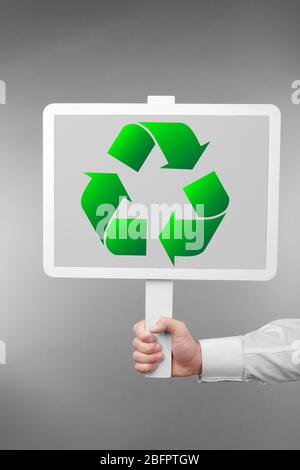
196 363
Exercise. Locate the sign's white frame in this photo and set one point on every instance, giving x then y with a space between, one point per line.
270 111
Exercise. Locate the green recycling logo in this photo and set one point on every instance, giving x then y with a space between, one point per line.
182 150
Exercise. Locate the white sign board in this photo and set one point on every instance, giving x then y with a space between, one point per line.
211 170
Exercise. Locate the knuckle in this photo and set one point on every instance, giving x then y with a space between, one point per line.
142 368
135 356
150 348
137 367
151 359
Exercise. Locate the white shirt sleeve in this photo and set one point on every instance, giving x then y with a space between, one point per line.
268 355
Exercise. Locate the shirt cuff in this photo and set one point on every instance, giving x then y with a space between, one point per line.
222 360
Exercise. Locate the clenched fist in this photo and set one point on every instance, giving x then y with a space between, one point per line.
186 352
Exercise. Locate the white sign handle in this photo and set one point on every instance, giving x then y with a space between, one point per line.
159 303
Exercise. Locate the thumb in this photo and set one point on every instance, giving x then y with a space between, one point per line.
169 325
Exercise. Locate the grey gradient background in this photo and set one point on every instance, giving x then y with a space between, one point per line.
69 382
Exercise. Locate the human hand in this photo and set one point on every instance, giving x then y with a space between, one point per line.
186 352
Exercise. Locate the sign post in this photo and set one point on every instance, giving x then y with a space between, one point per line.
222 160
159 303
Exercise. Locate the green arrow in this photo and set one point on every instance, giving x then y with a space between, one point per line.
176 245
132 146
178 143
209 192
127 237
101 198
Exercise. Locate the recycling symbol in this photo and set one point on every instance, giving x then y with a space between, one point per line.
182 150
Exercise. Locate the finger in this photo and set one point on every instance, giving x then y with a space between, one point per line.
142 334
146 348
145 368
169 325
147 358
